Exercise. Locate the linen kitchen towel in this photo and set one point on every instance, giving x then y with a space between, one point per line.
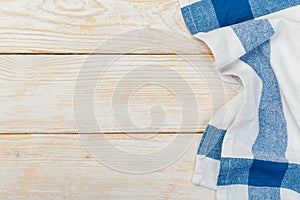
253 151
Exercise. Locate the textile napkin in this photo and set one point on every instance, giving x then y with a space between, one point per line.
253 151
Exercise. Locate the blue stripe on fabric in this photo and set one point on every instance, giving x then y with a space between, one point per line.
207 15
263 193
291 179
189 21
211 142
265 173
235 171
232 11
253 33
200 17
264 7
271 142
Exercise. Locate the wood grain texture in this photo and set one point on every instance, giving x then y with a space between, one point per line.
36 92
79 26
58 167
40 158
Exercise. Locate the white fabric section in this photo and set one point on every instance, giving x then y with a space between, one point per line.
227 114
226 48
232 192
285 58
232 116
242 133
293 148
206 172
286 194
184 3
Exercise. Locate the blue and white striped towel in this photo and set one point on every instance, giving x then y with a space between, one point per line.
254 151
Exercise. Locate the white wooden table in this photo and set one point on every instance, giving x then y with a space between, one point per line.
43 44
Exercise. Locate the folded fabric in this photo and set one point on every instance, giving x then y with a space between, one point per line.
253 150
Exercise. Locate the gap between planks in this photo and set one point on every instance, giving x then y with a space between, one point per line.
124 54
109 133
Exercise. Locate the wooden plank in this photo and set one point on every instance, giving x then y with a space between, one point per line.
79 26
36 92
58 167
